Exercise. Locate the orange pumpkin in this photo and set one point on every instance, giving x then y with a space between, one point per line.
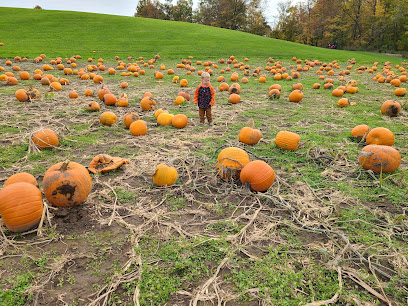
138 128
230 161
275 86
183 83
390 108
128 119
179 121
234 98
316 86
109 99
21 95
164 118
360 131
67 184
343 102
21 206
249 135
185 95
108 118
73 94
274 94
179 100
380 136
45 138
287 140
337 92
235 88
400 92
88 93
159 111
296 96
258 175
21 177
55 86
93 106
223 87
123 100
147 103
103 91
379 158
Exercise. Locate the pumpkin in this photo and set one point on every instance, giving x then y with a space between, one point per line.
183 83
21 95
179 121
235 88
390 108
176 79
63 81
21 177
158 112
223 87
275 86
343 102
258 175
128 119
98 79
185 95
296 96
73 94
24 75
55 86
109 99
124 85
396 82
287 140
360 131
234 98
274 94
298 86
147 103
179 100
45 138
262 79
108 118
337 92
158 75
21 206
249 135
164 118
230 161
93 106
123 100
400 92
88 93
379 158
138 128
164 175
102 92
45 81
380 136
67 184
11 81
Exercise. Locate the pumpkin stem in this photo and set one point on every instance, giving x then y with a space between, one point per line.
251 123
64 166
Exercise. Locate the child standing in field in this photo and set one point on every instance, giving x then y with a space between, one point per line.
204 97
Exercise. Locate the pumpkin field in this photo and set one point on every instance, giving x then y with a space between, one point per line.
113 193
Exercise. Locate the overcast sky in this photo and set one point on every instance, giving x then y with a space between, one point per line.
113 7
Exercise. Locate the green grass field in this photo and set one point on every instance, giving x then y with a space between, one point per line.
325 231
59 33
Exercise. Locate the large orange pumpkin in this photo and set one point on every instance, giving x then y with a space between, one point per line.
379 158
230 161
296 96
45 138
67 184
21 206
234 98
258 175
138 128
380 136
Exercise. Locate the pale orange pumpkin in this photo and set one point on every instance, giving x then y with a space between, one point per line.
287 140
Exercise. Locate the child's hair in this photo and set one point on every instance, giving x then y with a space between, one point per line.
205 75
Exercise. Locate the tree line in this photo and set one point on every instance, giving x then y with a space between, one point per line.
240 15
377 25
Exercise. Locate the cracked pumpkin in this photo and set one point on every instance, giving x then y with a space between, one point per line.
67 184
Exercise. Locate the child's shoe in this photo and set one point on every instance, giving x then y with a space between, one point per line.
211 124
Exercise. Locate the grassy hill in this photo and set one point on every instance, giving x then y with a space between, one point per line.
29 32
